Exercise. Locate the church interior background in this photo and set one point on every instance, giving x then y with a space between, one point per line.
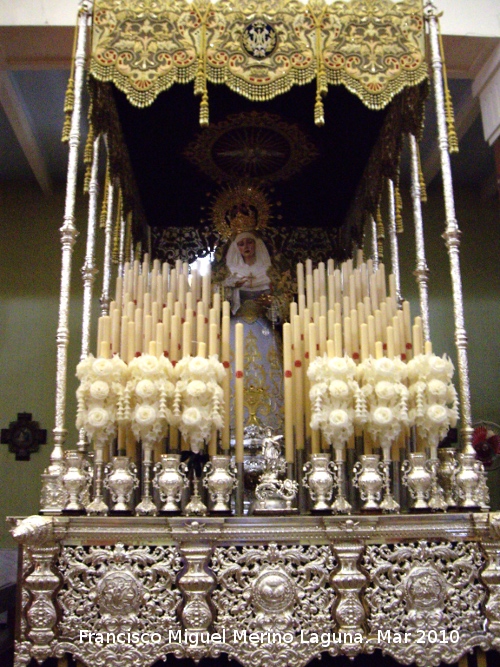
296 438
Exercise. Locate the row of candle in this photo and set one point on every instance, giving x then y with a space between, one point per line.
157 310
340 312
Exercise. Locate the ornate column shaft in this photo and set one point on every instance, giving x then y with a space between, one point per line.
68 237
89 270
349 581
393 238
38 537
421 272
108 251
195 585
452 232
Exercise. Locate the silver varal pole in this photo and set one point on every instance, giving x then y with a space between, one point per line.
121 250
108 250
68 237
422 271
89 268
374 242
393 239
452 232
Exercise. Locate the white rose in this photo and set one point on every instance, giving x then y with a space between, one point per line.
148 364
385 390
169 388
338 365
98 417
145 389
338 389
437 388
440 366
384 366
437 414
196 388
145 415
102 367
198 366
339 418
99 390
382 416
191 417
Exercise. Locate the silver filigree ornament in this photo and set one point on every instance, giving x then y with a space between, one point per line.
118 589
425 590
273 588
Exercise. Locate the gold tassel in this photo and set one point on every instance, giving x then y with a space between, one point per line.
421 179
138 251
200 82
115 255
204 113
104 207
399 208
69 98
380 234
319 111
463 662
88 154
321 82
448 103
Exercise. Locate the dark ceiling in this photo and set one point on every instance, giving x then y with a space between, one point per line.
174 191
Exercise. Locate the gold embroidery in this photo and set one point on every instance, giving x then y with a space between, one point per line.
373 47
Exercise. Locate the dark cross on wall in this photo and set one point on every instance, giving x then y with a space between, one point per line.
23 436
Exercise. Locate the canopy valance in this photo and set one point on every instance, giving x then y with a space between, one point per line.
259 49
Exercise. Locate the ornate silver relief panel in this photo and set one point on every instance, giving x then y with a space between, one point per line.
108 590
425 600
272 602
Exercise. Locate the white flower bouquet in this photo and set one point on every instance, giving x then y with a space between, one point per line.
99 397
433 398
333 395
386 398
149 397
198 398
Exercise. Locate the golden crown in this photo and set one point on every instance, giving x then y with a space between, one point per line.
240 208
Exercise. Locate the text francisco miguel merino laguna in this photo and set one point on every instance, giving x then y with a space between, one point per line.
323 639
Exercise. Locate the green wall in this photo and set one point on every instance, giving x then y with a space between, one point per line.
29 297
29 302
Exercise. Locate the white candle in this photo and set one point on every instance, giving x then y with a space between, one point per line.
239 388
298 378
226 382
300 279
288 391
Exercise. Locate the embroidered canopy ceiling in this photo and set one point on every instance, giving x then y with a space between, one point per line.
258 50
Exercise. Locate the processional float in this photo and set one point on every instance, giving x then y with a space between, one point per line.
258 470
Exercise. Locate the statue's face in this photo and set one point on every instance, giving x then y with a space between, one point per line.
246 246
